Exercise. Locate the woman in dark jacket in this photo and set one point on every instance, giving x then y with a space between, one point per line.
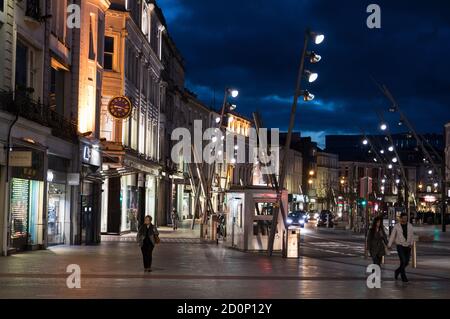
377 241
146 237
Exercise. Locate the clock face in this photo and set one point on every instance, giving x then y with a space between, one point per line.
120 107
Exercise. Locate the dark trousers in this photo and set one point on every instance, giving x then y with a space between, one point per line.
404 254
147 251
377 260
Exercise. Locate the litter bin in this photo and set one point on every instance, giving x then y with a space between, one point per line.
293 242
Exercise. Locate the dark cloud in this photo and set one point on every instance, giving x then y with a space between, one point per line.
255 46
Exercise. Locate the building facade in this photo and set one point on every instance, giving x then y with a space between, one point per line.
131 144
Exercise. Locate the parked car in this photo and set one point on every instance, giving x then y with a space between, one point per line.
297 218
313 214
326 219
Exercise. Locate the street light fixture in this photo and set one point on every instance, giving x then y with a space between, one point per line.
391 148
311 76
365 142
383 126
313 57
307 96
394 160
217 120
317 37
234 93
390 166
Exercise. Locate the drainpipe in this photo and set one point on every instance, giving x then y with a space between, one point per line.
6 210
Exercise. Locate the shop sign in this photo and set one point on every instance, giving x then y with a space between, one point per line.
20 158
33 170
430 198
73 179
90 155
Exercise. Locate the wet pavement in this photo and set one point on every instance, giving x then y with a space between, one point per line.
331 266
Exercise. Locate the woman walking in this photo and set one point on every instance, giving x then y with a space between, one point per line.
377 241
147 238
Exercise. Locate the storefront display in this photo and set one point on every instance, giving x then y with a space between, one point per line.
26 213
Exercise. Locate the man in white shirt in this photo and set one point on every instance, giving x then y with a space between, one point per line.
403 236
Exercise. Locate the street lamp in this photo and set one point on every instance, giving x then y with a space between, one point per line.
307 96
391 148
390 166
313 57
383 126
311 76
234 93
317 37
394 160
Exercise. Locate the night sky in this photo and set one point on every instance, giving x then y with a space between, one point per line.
255 46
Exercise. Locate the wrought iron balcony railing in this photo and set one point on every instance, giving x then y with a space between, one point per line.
39 113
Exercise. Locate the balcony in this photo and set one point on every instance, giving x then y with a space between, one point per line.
38 113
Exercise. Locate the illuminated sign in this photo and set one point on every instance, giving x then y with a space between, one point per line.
430 198
120 107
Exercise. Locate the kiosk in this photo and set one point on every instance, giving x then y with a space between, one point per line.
249 216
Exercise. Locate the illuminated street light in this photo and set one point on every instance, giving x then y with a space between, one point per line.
383 126
310 181
390 166
236 147
311 76
430 172
317 37
397 181
365 142
375 160
233 161
382 151
391 148
383 181
307 96
394 160
311 173
436 185
313 57
232 107
233 93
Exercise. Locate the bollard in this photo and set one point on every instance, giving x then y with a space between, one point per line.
414 255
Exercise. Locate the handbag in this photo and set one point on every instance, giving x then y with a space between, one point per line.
386 249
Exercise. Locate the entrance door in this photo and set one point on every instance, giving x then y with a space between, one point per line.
114 205
56 213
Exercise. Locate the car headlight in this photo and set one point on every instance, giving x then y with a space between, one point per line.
289 221
316 216
302 221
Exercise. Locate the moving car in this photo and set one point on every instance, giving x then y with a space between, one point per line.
297 218
326 219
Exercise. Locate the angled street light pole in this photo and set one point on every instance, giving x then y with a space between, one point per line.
318 38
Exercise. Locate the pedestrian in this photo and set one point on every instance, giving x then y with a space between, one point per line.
175 219
377 241
147 237
403 236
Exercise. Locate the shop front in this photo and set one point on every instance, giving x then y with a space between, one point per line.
27 202
91 193
129 193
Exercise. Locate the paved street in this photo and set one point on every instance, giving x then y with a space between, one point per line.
331 266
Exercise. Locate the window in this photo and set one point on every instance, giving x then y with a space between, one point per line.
109 53
33 9
21 66
56 99
2 4
91 38
100 40
59 19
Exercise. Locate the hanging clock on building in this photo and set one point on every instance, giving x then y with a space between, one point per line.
120 107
